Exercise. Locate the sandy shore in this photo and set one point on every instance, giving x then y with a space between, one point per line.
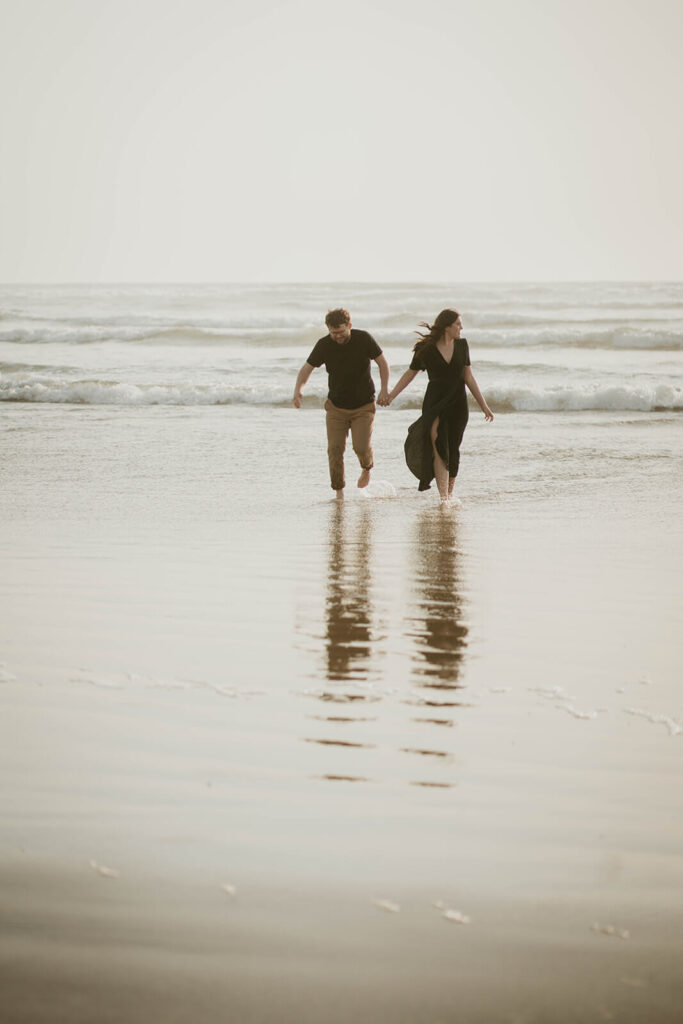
212 675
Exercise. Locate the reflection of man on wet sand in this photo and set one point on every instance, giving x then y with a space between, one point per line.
348 610
346 353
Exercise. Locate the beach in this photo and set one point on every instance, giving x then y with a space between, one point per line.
269 757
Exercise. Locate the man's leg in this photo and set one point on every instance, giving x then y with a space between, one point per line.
337 422
361 437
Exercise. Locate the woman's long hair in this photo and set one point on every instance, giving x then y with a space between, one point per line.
434 331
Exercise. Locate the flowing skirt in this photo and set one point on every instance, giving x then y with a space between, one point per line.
451 408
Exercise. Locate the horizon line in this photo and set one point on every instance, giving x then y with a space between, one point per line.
342 282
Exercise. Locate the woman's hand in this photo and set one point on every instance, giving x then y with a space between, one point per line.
487 413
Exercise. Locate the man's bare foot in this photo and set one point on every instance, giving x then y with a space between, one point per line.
339 495
364 478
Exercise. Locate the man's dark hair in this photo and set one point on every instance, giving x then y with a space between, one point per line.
337 317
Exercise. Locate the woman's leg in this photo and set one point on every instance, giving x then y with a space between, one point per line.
455 435
440 468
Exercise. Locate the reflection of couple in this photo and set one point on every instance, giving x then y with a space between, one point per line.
435 609
433 444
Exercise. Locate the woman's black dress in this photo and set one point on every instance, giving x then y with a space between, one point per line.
446 398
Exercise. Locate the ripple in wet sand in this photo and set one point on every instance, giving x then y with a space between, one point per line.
435 785
435 721
425 753
342 778
339 718
338 743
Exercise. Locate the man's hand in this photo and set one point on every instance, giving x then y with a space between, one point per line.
303 375
383 397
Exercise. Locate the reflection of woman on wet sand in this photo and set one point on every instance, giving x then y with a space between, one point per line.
438 629
432 447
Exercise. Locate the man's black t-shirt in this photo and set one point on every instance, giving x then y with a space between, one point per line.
348 367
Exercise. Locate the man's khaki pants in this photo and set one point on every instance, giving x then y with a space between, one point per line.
339 422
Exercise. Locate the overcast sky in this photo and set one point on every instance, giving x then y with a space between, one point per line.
308 140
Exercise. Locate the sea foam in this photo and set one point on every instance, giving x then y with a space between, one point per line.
503 398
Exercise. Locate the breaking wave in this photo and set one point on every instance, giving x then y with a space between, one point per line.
615 398
271 333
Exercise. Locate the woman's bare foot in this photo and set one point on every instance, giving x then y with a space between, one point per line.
364 478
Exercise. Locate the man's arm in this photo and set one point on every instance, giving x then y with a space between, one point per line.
383 396
304 373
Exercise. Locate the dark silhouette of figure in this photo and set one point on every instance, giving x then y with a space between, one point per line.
348 611
437 628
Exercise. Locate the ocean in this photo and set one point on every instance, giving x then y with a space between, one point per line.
538 348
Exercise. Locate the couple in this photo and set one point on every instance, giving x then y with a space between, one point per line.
432 447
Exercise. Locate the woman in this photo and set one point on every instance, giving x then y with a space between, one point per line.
433 444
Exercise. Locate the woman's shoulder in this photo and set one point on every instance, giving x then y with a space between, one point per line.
464 351
420 357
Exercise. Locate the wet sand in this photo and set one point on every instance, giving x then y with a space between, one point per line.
209 680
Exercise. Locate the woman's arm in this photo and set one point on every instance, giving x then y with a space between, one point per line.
474 388
403 383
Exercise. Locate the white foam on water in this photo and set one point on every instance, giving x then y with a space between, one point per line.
387 905
511 398
611 930
377 489
551 692
141 681
571 710
102 682
104 871
456 916
589 398
675 728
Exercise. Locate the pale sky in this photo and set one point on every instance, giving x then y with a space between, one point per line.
355 140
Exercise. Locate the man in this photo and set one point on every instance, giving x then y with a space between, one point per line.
350 404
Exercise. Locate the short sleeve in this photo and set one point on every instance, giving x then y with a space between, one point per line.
373 348
417 363
466 353
317 356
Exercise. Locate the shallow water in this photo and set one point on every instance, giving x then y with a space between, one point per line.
214 673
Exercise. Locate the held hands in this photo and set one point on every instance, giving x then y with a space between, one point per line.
383 397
